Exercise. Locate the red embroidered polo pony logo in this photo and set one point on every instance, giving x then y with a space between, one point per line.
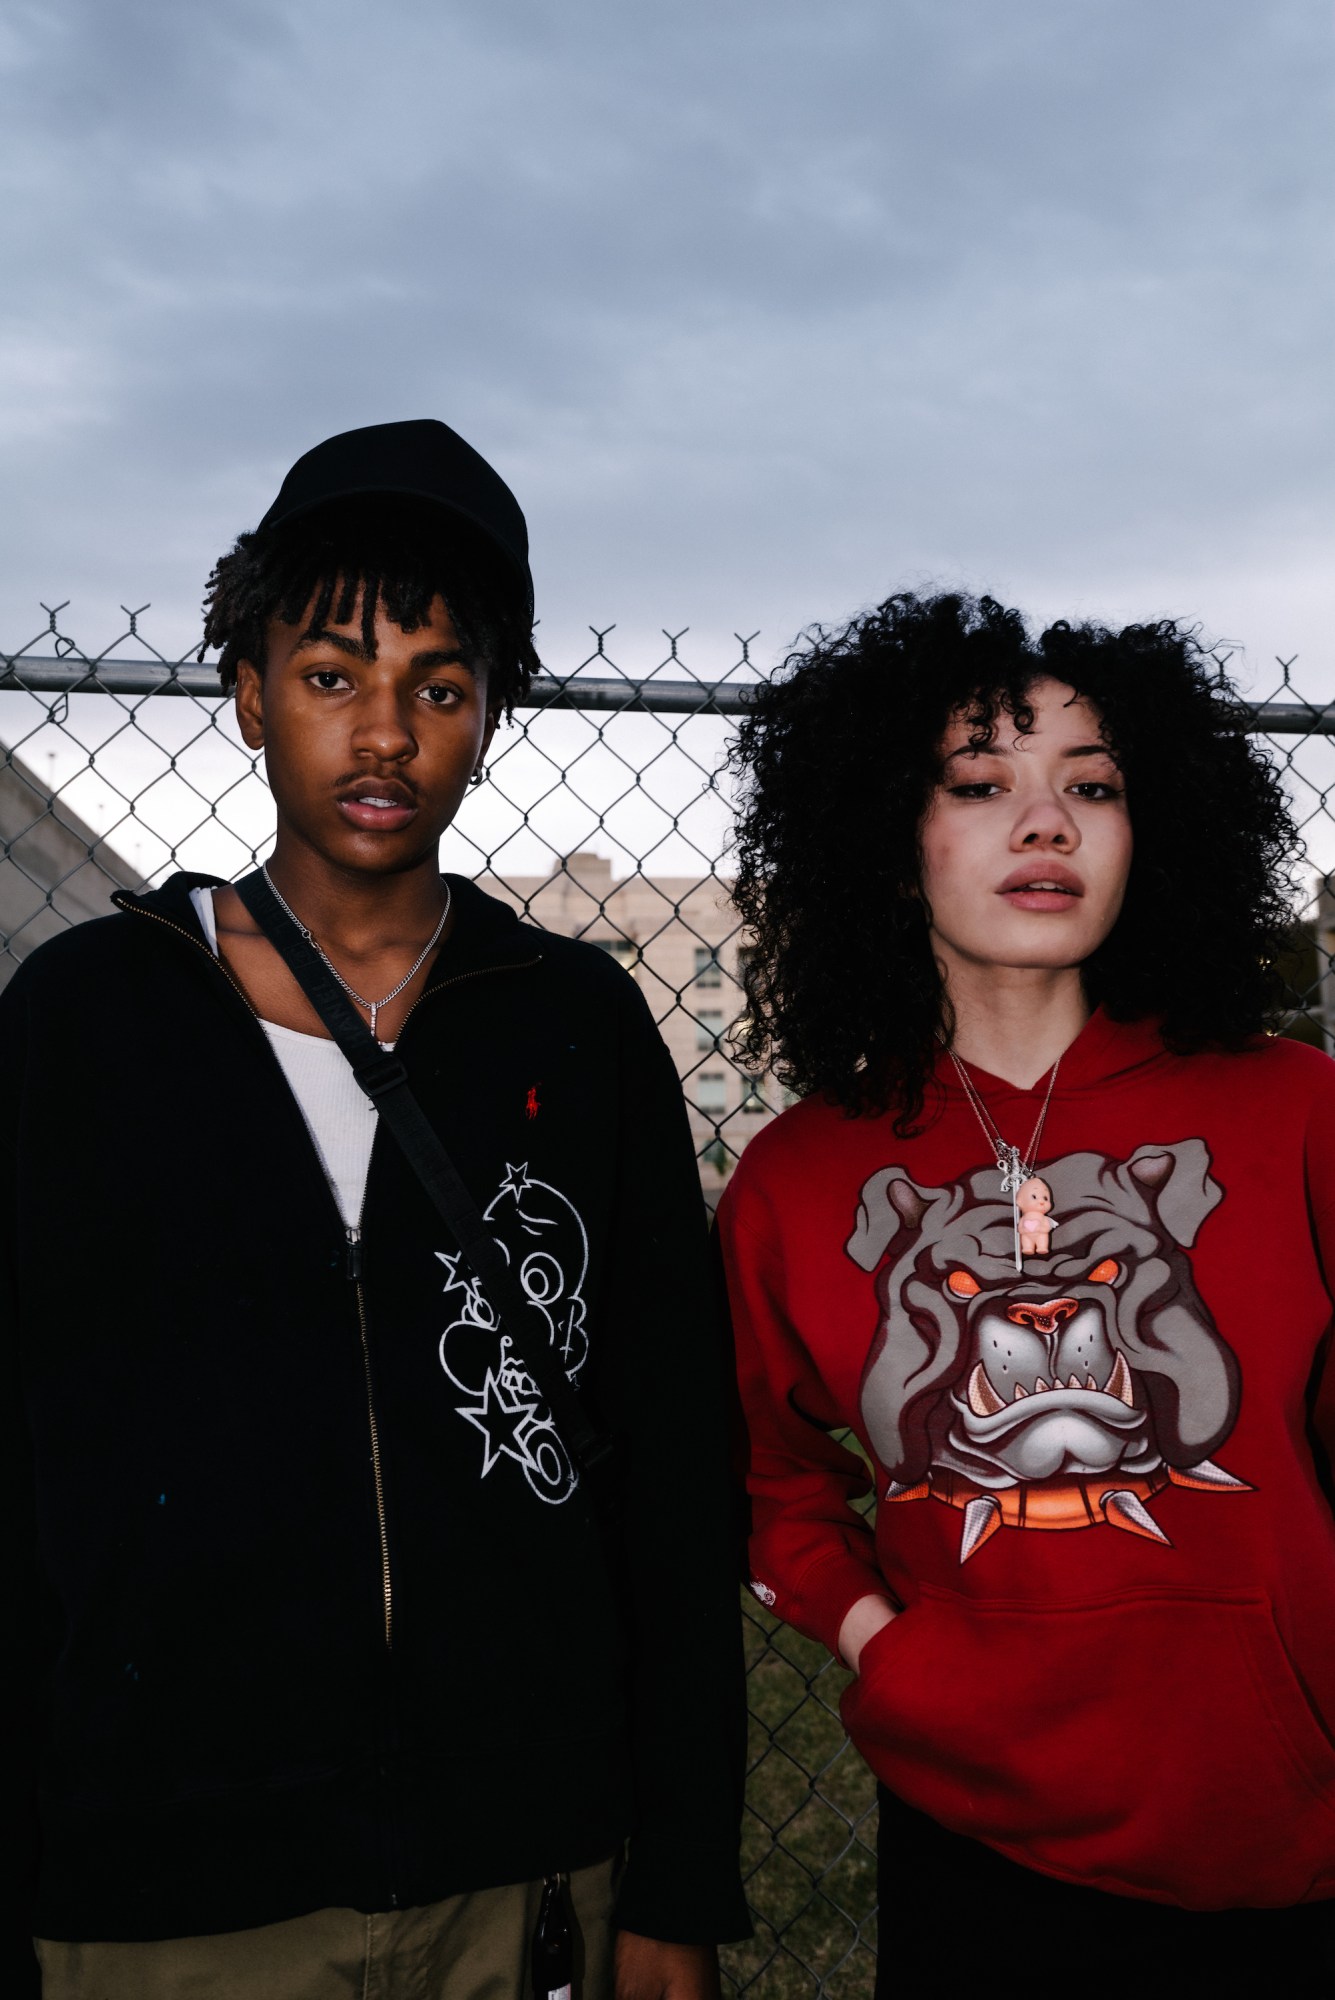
1070 1395
531 1105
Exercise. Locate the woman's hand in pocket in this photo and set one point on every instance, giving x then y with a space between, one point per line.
862 1622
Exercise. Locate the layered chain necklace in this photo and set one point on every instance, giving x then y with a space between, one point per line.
1014 1167
372 1007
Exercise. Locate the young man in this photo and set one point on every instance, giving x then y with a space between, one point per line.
332 1654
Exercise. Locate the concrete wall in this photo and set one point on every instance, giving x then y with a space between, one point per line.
54 870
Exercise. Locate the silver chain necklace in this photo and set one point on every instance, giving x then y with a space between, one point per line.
372 1007
1014 1167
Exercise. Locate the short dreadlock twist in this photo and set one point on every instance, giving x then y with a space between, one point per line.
401 554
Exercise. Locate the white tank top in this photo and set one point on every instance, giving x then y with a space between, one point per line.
340 1117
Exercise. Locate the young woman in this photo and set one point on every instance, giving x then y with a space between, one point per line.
1052 1235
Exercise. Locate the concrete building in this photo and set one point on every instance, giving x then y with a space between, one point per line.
54 870
680 939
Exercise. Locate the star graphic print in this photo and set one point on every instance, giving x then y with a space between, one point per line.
542 1237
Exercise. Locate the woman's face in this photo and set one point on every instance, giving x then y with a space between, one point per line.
1026 845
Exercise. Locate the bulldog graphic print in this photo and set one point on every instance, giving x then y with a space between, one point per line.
1070 1394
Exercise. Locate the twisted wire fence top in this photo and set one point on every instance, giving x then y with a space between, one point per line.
605 815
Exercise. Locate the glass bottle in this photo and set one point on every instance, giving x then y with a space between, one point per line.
553 1943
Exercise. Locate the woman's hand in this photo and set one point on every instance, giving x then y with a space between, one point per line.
647 1969
867 1617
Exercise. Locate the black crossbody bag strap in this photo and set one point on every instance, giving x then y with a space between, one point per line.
385 1080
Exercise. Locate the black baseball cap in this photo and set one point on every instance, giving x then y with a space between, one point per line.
423 458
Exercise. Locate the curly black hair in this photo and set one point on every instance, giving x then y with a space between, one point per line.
837 757
401 553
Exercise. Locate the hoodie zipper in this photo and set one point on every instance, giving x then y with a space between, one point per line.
352 1236
354 1270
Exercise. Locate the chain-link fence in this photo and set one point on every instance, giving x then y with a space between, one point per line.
604 815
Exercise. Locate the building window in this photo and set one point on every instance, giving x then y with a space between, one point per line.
624 950
710 1092
708 971
717 1156
708 1028
752 1100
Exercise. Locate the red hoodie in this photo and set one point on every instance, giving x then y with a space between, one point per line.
1097 1496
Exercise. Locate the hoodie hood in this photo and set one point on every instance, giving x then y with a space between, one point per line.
1104 1052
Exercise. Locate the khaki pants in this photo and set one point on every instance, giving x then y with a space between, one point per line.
470 1948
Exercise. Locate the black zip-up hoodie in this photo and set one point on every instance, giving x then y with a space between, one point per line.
309 1610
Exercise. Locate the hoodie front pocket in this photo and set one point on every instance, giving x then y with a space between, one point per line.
1156 1743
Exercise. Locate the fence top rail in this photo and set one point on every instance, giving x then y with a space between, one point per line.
76 675
25 673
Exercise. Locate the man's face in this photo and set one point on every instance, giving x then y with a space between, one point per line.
368 757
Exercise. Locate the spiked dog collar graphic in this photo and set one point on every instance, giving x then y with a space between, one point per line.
1062 1503
1069 1395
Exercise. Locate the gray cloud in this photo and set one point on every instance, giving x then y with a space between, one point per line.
763 309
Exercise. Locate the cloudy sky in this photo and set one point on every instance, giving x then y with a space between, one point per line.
764 307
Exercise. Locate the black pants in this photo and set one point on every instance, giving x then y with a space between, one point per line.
947 1902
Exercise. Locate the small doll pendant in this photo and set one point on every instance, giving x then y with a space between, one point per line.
1034 1220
